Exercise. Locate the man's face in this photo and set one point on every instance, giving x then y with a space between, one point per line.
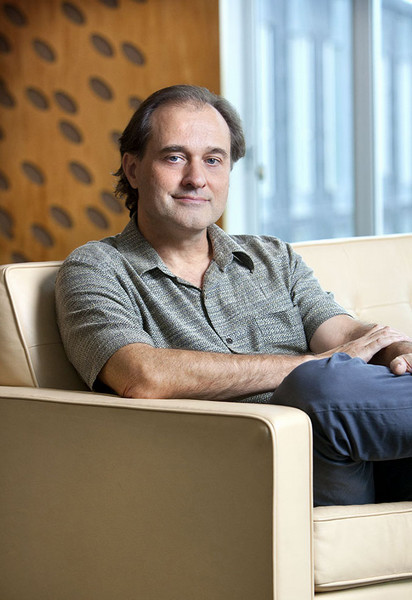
183 177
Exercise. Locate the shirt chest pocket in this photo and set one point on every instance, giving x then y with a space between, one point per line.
275 329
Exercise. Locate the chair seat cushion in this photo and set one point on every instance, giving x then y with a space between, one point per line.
361 545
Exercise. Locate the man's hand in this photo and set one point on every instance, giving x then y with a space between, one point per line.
401 364
397 356
382 341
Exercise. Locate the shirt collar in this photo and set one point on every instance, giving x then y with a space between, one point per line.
226 249
133 246
141 254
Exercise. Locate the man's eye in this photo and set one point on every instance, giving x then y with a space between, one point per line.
174 158
212 161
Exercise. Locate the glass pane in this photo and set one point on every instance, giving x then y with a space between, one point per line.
395 167
302 167
304 118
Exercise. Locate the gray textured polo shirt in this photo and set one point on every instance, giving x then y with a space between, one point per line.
258 297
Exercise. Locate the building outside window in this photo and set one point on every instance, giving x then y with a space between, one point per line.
324 88
395 169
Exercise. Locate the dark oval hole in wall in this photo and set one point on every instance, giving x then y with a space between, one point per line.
115 137
41 234
96 217
65 102
73 13
4 182
6 99
33 173
80 172
111 202
134 102
37 98
61 216
133 53
110 3
6 224
15 15
102 45
70 132
44 50
100 88
18 257
5 45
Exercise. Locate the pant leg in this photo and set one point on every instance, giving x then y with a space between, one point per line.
393 480
360 414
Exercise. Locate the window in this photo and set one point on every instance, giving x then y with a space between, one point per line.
395 168
324 88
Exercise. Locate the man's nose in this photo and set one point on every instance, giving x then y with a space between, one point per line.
194 175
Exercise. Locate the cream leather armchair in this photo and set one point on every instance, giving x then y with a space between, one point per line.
105 498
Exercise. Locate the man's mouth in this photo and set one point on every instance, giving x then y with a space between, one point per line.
191 199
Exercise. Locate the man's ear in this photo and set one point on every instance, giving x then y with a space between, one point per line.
130 164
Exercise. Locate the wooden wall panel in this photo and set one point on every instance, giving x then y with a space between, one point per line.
71 74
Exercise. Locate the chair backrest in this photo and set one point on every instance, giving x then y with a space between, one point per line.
32 353
370 276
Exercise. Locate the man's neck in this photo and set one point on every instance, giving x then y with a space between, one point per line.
186 257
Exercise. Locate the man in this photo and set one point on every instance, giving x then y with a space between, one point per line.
175 308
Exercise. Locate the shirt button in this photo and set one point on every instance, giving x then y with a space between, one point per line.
229 340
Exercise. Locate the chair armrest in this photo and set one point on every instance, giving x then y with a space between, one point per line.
107 497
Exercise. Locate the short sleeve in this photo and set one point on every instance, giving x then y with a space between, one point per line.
96 314
315 304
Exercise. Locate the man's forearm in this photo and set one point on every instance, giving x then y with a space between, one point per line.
140 371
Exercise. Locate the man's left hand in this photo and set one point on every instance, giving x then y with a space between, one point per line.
401 364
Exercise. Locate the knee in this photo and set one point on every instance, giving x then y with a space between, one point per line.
314 384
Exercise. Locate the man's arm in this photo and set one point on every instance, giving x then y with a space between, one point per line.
373 343
141 371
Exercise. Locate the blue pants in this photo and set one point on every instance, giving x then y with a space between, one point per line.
361 417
